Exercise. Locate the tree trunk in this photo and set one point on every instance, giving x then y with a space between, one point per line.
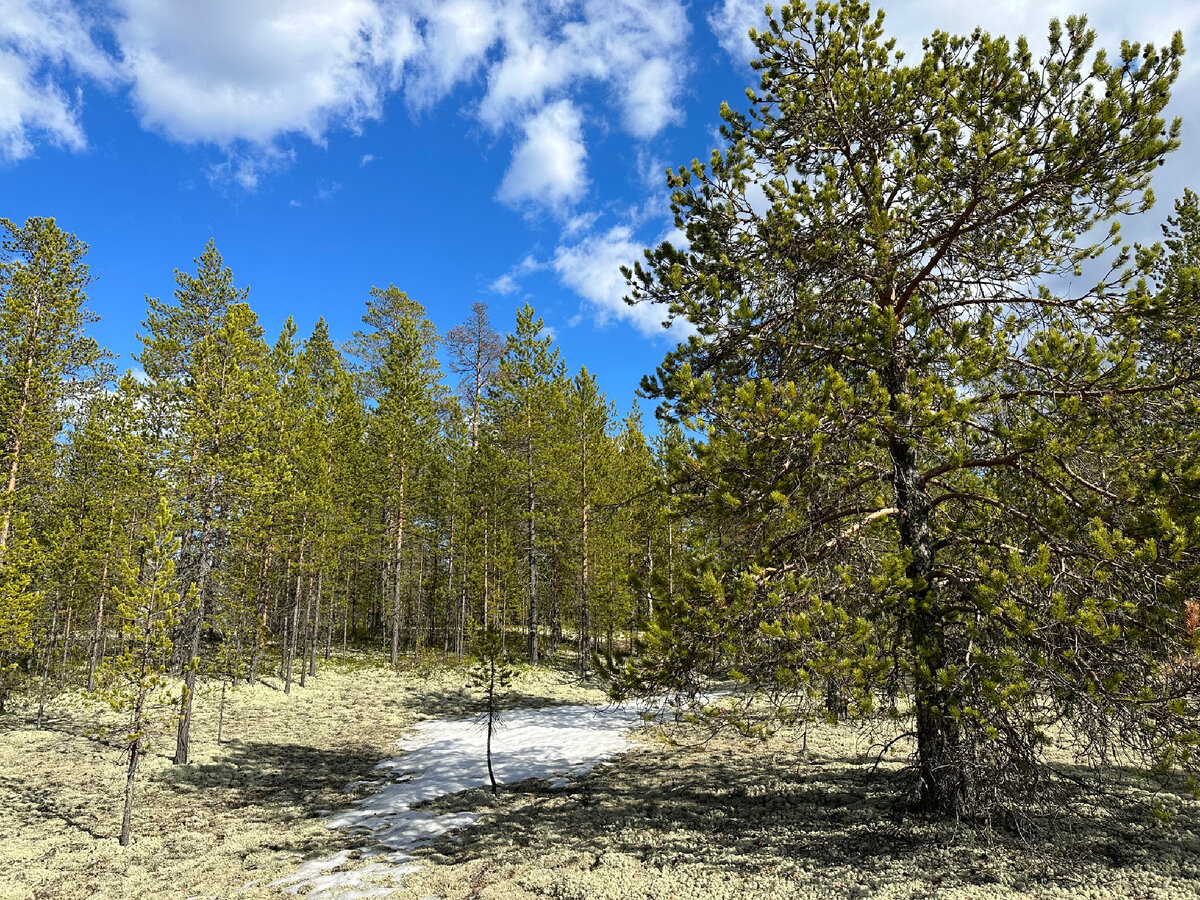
98 631
130 774
49 656
530 507
491 720
397 563
290 649
183 735
18 422
316 625
938 764
260 627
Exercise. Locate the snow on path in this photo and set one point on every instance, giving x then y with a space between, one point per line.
445 756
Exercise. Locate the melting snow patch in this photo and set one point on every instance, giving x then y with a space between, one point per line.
445 756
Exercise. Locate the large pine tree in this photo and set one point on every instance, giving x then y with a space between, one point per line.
916 473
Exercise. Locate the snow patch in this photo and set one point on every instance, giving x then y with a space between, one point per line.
446 756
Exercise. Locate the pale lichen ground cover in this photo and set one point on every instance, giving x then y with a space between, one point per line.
711 821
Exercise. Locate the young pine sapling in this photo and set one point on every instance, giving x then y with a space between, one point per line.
492 673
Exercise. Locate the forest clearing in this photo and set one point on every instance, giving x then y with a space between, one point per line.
906 564
714 818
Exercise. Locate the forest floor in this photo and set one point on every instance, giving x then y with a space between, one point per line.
702 819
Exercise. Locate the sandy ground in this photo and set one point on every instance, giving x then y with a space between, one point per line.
718 820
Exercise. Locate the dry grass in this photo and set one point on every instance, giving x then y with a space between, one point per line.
715 821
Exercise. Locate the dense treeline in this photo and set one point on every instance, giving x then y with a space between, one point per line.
294 499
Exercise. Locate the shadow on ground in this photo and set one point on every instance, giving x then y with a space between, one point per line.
745 813
284 780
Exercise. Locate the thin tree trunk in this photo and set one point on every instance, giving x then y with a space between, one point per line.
62 674
49 656
584 619
396 580
130 774
530 505
18 422
312 656
260 628
183 735
295 626
221 714
491 720
486 597
98 632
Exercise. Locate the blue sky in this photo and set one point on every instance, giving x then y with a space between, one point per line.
508 151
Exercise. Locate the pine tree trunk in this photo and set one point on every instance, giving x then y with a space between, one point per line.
62 673
51 640
584 602
397 563
260 629
18 422
530 506
130 774
98 631
307 631
290 649
312 656
486 595
183 735
938 763
491 720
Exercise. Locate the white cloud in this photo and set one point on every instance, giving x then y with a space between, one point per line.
366 160
247 76
43 42
505 284
651 103
547 168
226 71
731 22
456 35
911 20
247 169
592 269
509 282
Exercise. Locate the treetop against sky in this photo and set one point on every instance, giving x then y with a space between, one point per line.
498 150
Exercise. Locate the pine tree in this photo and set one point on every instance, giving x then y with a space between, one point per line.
519 406
915 467
401 373
491 673
134 681
46 358
206 364
475 349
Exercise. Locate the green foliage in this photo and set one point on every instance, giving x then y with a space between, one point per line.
915 467
133 682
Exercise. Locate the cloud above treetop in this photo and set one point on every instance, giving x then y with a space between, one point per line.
245 75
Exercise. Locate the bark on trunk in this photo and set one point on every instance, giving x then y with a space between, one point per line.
938 762
98 631
397 562
531 503
127 814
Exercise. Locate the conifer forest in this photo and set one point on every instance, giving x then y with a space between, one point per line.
915 502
